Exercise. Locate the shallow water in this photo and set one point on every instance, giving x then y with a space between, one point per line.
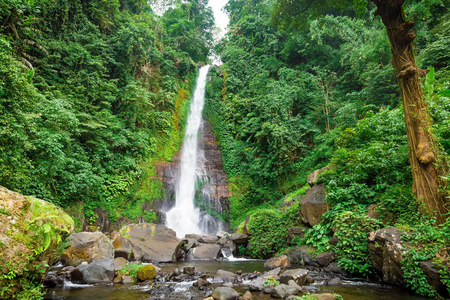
351 289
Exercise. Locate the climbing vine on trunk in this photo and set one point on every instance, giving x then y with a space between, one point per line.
423 150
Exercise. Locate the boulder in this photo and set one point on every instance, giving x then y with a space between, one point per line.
325 258
247 296
281 261
434 277
30 231
334 281
87 246
208 239
293 284
205 252
239 238
127 280
225 293
312 178
274 272
297 275
146 242
119 263
225 276
296 232
99 271
147 272
189 270
386 253
192 236
257 284
201 283
302 256
325 296
283 291
313 205
334 268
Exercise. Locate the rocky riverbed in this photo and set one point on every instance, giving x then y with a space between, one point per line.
147 261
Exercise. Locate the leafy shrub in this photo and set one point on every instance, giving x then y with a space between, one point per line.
269 231
425 242
352 248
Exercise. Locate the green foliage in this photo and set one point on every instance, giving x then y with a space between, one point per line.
130 270
150 217
269 231
108 94
425 242
351 231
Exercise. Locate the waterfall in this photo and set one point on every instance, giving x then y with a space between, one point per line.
184 217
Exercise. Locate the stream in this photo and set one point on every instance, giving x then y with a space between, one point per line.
351 288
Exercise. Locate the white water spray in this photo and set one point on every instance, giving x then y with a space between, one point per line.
184 217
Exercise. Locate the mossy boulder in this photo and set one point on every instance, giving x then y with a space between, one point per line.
31 233
87 246
147 272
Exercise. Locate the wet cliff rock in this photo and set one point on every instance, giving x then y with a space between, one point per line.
212 188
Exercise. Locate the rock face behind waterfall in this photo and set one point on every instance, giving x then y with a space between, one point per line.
146 242
215 190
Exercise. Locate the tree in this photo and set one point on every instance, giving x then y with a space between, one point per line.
423 150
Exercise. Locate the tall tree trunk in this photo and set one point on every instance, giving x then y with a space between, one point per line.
422 147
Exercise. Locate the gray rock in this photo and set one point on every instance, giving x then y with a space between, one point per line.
325 258
434 277
293 284
127 280
87 246
386 253
334 281
310 289
224 276
297 275
282 291
228 284
208 239
312 178
334 268
192 236
278 262
205 252
313 205
268 289
274 272
257 284
247 296
302 256
99 271
189 270
146 242
296 232
119 263
239 238
225 293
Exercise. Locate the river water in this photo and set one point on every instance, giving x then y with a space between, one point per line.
350 289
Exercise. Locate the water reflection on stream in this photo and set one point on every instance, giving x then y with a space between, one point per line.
351 289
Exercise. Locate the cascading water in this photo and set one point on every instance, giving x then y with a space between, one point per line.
184 217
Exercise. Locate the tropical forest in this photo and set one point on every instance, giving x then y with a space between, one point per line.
224 150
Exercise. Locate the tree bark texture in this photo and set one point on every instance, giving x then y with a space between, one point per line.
422 147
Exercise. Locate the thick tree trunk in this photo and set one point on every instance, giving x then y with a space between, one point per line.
422 147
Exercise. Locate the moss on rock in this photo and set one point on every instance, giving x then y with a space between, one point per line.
30 236
147 272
